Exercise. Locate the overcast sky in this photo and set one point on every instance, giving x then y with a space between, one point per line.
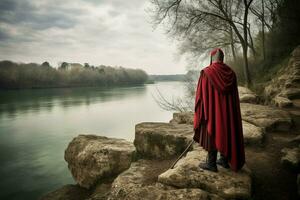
109 32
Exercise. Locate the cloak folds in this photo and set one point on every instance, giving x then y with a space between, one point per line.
217 114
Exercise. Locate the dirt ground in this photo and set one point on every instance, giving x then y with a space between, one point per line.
270 179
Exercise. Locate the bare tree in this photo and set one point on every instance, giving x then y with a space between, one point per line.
185 19
183 103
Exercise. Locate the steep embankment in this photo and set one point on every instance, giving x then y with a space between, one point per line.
285 86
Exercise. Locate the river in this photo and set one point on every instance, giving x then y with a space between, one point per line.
37 125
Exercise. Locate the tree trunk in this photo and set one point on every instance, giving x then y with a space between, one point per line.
232 45
245 44
263 29
246 65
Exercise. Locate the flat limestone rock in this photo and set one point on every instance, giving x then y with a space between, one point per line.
67 192
226 183
136 183
291 158
246 95
91 158
252 133
270 118
161 140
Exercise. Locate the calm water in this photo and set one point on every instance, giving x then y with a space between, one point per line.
37 125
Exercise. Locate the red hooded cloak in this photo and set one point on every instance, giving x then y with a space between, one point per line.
217 114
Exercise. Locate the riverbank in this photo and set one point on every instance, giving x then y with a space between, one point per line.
107 168
31 75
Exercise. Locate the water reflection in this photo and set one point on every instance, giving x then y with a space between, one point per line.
37 125
12 102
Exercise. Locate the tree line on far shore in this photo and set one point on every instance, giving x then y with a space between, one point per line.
20 75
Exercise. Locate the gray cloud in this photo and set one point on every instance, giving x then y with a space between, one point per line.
111 32
24 12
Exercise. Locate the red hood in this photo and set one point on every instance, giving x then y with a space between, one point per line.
221 76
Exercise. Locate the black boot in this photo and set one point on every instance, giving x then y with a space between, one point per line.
223 161
210 163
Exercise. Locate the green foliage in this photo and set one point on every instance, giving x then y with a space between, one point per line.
14 75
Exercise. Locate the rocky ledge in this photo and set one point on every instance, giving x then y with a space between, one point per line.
257 121
107 169
268 118
140 182
226 183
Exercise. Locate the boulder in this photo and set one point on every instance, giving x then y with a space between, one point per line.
282 102
291 158
139 182
268 117
161 140
67 192
252 134
91 158
226 183
246 95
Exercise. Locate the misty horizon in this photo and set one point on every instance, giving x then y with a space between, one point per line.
111 33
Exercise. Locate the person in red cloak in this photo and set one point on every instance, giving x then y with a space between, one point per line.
217 117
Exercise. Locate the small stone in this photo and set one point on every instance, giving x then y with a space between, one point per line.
296 52
246 95
183 118
91 158
291 158
253 135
